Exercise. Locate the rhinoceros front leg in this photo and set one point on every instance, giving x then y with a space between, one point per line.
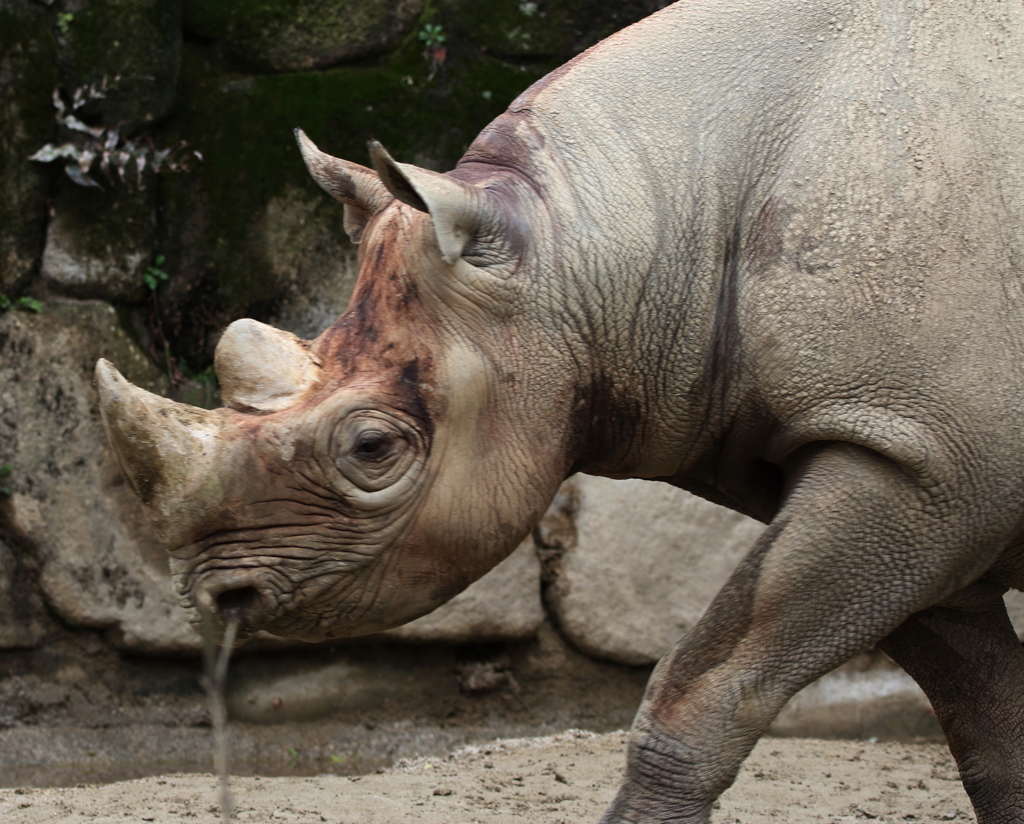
859 545
968 660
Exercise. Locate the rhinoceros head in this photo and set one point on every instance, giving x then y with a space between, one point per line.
357 481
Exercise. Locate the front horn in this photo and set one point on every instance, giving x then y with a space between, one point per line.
166 450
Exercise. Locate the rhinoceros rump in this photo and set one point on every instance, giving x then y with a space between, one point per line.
768 252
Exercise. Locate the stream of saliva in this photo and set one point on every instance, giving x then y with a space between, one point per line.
216 654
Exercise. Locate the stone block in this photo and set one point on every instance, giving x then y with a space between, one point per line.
278 36
504 605
632 565
555 29
99 243
312 262
99 564
28 76
130 50
635 565
293 687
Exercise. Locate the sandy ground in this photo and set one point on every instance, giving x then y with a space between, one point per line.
563 779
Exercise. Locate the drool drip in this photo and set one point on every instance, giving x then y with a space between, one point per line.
215 672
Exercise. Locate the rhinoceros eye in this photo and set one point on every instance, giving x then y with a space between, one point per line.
374 446
372 449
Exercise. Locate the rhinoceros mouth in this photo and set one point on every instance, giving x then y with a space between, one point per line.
228 597
240 606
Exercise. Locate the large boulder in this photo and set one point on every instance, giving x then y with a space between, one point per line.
98 563
290 35
867 697
308 257
632 565
28 76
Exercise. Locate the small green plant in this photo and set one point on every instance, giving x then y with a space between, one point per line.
64 19
432 36
5 470
293 757
154 275
24 302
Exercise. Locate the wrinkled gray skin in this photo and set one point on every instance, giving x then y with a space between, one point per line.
767 252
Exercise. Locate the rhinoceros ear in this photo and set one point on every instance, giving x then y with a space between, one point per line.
455 207
356 186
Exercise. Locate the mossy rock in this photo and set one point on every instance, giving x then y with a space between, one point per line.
130 49
293 35
226 230
530 29
28 76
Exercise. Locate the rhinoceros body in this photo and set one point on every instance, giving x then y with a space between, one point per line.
768 252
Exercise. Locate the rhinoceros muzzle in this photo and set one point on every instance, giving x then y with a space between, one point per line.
283 598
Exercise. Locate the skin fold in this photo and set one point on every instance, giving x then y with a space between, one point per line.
768 253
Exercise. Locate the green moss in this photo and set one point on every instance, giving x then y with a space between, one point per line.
531 29
290 35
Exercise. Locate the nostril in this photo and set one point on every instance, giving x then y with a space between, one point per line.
236 604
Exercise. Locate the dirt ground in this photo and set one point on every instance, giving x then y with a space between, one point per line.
560 779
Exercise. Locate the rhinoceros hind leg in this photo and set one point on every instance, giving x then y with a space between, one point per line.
971 665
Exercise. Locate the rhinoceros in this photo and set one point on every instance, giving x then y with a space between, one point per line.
767 252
